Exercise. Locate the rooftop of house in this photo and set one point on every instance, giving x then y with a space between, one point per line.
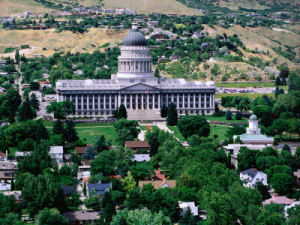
141 157
100 188
80 150
68 189
297 173
281 200
191 205
158 175
251 172
159 184
56 150
137 144
7 165
81 216
2 154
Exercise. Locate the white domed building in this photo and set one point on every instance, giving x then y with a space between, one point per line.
137 88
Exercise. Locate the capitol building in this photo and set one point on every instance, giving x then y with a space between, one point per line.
137 88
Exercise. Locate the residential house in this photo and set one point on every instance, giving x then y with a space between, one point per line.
141 158
56 153
158 176
83 172
68 189
16 194
159 184
7 170
252 177
80 150
21 155
99 188
297 175
5 186
185 206
152 23
3 156
137 145
280 200
81 217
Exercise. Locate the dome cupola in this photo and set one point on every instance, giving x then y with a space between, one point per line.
134 38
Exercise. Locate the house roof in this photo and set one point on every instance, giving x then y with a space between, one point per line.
6 165
159 184
255 137
85 179
158 175
68 189
81 216
137 144
80 150
56 150
281 200
2 154
297 173
141 157
100 188
191 205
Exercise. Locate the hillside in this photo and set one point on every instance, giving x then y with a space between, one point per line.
8 7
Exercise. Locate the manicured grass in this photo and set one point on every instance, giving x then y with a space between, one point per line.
176 132
246 84
146 128
223 119
249 95
217 130
88 131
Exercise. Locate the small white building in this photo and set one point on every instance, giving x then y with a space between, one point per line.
141 158
56 152
252 177
286 208
5 186
16 194
185 206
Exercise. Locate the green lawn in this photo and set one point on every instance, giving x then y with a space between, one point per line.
89 131
249 95
223 119
217 130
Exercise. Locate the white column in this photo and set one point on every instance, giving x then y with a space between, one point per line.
199 101
76 102
213 96
172 98
177 104
194 103
82 102
125 101
99 107
131 101
104 101
189 100
110 101
153 100
147 101
158 101
205 101
93 102
183 101
142 99
119 100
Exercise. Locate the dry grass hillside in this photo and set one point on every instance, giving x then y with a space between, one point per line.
8 7
63 41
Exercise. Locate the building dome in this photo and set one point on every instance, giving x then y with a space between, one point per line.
253 117
134 38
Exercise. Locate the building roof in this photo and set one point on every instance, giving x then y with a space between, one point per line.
2 154
281 200
253 117
81 216
80 150
141 157
297 173
56 150
68 189
7 165
158 175
255 137
191 205
134 38
100 188
159 184
251 173
137 144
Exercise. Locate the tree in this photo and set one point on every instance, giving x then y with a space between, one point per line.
247 158
278 81
61 109
190 125
8 205
188 218
101 144
89 153
126 130
34 102
140 217
122 113
282 183
34 86
11 219
128 183
164 111
108 208
93 202
238 116
271 215
58 128
41 131
51 217
228 115
172 116
17 56
283 82
70 134
157 73
10 104
25 111
294 215
152 138
264 191
294 81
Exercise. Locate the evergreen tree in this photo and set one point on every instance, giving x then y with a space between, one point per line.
89 153
101 144
9 104
276 91
278 81
238 116
157 73
187 219
172 116
122 113
283 81
70 132
108 208
164 111
228 115
58 127
84 189
41 131
17 56
25 111
34 102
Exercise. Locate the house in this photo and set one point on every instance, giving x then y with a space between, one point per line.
68 189
16 194
185 206
22 154
152 23
5 186
286 208
158 176
297 175
252 177
159 184
99 188
137 145
81 217
50 97
56 153
253 135
3 156
78 72
83 172
3 74
7 170
80 150
141 158
280 200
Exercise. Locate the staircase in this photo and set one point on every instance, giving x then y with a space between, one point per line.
144 115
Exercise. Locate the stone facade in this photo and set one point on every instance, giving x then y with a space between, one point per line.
136 87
